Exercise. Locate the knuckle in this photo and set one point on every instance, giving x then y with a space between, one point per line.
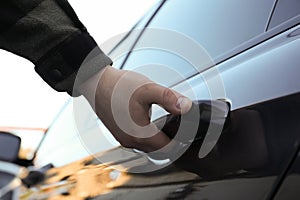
148 87
167 95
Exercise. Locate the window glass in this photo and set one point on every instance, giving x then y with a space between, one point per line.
217 26
119 46
285 10
70 138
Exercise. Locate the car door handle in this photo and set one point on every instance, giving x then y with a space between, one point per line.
203 125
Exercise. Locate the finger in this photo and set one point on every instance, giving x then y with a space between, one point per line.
170 100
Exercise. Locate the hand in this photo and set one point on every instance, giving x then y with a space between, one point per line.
122 100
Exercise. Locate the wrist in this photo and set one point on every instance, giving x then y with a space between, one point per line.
89 87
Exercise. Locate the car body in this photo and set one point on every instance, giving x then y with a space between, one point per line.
252 53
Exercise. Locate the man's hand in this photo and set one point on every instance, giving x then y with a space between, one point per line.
122 100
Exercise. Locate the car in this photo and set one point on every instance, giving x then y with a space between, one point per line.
243 53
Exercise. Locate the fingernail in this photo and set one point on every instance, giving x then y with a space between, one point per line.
181 102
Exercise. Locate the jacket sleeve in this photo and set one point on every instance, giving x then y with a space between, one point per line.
49 34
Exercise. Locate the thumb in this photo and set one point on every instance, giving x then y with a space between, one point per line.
170 100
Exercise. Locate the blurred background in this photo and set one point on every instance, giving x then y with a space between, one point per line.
28 105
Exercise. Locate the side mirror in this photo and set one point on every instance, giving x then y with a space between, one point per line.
9 147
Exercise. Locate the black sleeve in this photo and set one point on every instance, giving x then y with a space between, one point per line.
49 34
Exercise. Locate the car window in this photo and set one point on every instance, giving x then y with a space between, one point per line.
284 10
217 26
75 134
119 46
